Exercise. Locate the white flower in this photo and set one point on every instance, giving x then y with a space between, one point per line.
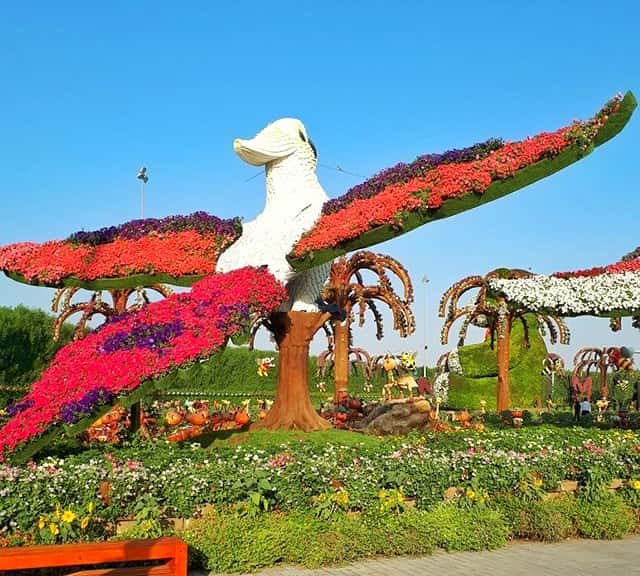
601 294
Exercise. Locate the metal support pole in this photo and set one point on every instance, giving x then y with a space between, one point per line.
425 281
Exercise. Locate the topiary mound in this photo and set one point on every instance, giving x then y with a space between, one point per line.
480 371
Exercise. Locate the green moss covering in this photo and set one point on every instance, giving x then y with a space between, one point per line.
522 178
112 283
480 371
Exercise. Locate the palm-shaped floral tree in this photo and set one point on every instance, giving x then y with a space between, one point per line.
495 314
346 292
602 360
64 305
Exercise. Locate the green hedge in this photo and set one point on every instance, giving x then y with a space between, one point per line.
233 372
26 347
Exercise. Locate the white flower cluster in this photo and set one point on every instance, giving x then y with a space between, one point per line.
453 361
573 296
441 387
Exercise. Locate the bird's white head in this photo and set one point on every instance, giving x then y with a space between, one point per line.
277 141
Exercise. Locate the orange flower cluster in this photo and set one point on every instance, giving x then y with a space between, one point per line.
443 182
188 252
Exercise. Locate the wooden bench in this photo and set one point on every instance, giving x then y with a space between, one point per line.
172 550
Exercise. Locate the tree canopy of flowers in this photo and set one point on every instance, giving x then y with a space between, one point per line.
133 348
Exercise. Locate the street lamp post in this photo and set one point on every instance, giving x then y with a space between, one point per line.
425 281
144 178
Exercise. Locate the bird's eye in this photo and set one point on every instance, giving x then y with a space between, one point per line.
302 136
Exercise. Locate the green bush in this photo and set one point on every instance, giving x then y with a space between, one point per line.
605 517
224 541
542 520
477 528
228 542
26 347
233 371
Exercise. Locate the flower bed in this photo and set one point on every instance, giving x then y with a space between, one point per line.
327 478
164 250
436 186
133 348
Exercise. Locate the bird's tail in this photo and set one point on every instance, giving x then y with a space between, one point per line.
134 348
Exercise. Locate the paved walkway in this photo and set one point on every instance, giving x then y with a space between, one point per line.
575 557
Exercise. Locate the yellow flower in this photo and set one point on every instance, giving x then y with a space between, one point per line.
537 482
382 494
470 494
91 507
53 528
41 523
84 523
342 498
57 512
68 516
635 484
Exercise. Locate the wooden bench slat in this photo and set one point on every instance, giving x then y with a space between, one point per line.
162 570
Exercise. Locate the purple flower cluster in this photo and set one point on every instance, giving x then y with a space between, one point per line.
236 313
74 410
17 407
631 255
151 336
198 221
404 172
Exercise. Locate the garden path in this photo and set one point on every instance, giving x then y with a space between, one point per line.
575 557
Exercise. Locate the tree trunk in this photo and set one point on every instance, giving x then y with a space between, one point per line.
504 341
604 390
341 358
292 408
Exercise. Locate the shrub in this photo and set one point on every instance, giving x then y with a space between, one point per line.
479 528
228 542
605 517
26 347
543 520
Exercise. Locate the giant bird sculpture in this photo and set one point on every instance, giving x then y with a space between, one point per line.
238 272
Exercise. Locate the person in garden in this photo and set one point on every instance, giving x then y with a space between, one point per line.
585 407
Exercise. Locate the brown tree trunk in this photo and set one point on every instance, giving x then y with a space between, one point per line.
504 341
604 390
341 358
292 408
120 298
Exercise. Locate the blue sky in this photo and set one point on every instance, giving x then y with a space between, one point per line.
91 91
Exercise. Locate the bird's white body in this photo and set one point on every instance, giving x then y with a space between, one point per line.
294 202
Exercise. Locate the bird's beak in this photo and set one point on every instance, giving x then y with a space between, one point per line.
267 146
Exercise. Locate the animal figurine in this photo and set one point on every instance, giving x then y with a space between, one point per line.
404 365
264 365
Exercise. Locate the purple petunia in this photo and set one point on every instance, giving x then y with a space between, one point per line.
198 221
151 336
74 410
404 172
16 408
